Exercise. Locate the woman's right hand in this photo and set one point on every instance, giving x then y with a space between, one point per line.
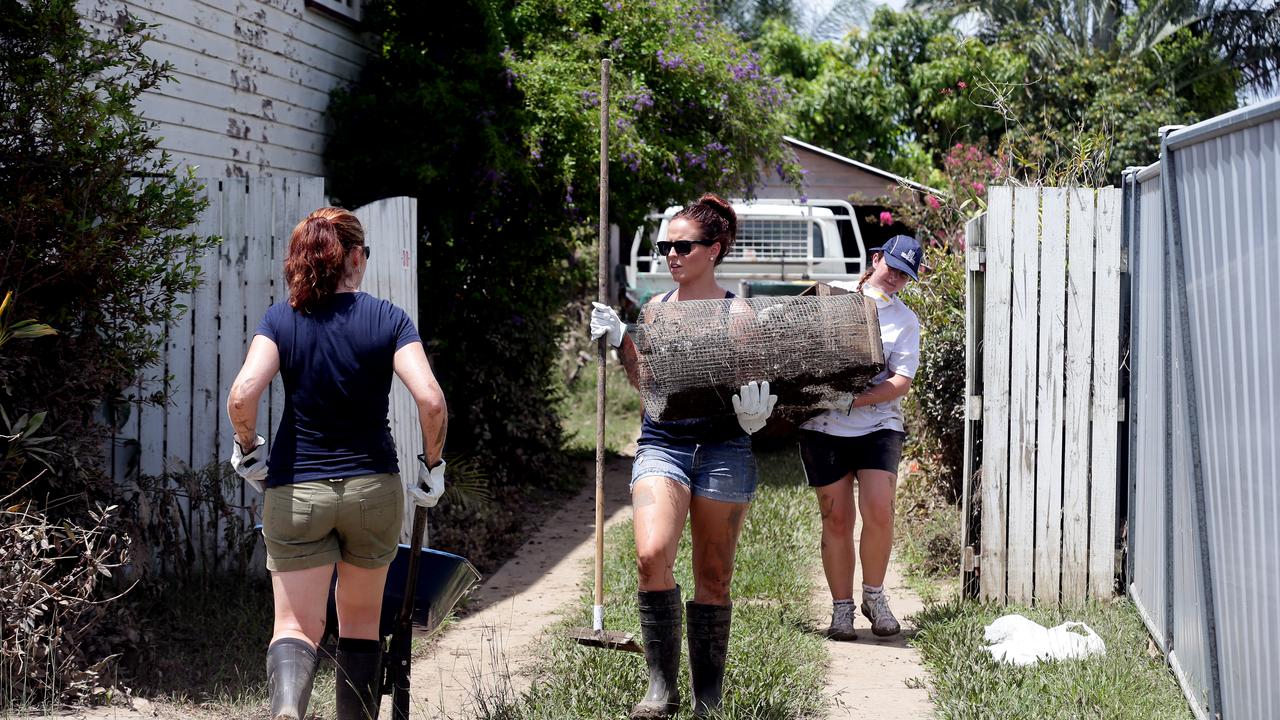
430 485
605 322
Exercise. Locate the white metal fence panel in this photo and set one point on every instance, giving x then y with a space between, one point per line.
1220 314
1151 532
205 347
1049 393
1231 313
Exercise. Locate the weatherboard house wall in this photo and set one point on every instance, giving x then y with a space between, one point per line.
251 78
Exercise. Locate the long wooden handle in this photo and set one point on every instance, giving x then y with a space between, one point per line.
602 248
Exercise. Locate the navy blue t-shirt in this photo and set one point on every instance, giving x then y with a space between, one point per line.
336 363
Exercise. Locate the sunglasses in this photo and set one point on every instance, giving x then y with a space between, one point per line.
683 247
366 250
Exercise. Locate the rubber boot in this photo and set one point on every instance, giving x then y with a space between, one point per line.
660 631
708 646
358 679
291 670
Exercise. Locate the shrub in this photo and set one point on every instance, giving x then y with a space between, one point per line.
52 582
92 241
935 405
91 219
486 112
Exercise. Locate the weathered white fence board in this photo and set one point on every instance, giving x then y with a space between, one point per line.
1050 394
1079 378
995 395
1106 396
393 275
1050 397
1022 398
206 346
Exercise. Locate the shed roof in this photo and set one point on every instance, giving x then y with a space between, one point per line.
830 175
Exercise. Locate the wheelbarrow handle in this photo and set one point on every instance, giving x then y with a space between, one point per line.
396 664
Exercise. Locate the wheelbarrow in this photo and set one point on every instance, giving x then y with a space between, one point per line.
438 580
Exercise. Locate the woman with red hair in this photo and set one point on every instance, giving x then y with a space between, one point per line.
333 496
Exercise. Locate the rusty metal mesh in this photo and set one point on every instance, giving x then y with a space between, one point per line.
817 352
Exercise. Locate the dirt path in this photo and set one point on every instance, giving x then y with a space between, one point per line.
489 650
875 678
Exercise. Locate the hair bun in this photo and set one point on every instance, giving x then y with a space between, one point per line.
722 208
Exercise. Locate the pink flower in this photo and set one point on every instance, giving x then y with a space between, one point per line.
932 202
979 188
886 218
962 84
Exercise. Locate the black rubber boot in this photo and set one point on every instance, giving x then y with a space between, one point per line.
708 646
660 630
291 669
358 679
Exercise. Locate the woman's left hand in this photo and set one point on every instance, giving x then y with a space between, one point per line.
753 405
252 465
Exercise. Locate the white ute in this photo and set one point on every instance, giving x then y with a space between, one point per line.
782 247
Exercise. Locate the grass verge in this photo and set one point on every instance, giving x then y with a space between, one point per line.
578 410
926 534
776 658
966 683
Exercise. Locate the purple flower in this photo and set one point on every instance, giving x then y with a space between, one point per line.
670 61
641 101
613 6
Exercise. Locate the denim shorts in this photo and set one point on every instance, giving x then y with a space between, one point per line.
724 471
319 522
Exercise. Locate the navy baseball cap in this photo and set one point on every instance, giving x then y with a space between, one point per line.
903 253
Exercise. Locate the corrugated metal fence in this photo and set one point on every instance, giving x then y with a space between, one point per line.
1204 522
1043 369
205 347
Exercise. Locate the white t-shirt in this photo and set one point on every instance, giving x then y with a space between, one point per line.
900 333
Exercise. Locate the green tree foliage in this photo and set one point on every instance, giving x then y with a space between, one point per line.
693 110
91 228
896 96
487 112
912 86
1244 34
436 115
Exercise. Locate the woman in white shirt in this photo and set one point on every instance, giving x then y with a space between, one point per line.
866 443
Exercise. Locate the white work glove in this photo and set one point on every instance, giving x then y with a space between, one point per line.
430 485
604 321
252 466
754 405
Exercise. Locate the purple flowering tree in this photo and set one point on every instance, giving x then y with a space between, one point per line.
691 110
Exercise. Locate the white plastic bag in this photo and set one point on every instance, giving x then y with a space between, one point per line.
1015 640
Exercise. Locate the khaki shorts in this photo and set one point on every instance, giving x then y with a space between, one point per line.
319 522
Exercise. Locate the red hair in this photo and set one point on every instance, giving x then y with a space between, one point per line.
715 219
317 255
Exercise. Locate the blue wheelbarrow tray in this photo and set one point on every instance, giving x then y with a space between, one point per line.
443 580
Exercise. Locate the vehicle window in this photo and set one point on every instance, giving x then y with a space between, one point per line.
775 239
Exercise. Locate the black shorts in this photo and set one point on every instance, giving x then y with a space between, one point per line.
827 458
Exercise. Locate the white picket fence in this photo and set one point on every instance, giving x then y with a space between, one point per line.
1043 363
206 346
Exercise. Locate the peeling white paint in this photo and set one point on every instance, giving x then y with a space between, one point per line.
251 80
